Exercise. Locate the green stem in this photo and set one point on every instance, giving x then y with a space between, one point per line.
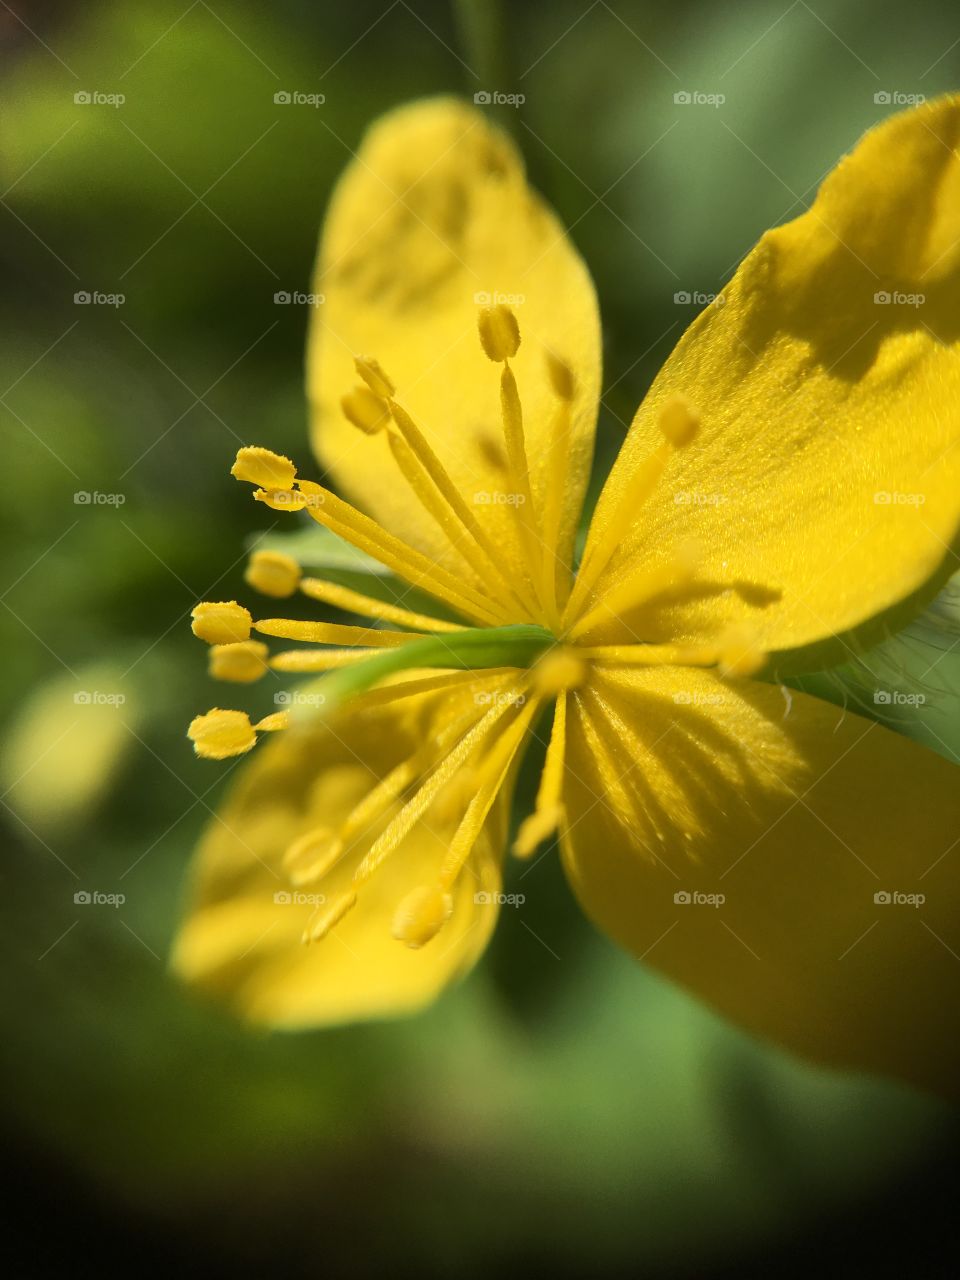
473 649
480 23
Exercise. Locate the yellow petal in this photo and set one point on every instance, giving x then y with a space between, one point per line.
242 939
432 222
827 468
790 864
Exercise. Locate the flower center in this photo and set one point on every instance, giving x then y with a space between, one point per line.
529 639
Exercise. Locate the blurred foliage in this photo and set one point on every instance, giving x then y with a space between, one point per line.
561 1087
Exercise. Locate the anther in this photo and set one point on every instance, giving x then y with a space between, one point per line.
311 856
366 410
273 573
221 734
223 622
263 467
375 378
499 332
240 663
421 915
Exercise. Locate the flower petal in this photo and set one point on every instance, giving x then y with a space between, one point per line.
824 487
241 940
815 827
431 220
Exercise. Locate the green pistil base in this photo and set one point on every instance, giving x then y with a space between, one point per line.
473 649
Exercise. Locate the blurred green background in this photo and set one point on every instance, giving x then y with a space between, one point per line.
562 1105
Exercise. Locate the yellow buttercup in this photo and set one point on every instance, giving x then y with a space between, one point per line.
788 493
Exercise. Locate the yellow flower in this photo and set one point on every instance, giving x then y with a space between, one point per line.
788 493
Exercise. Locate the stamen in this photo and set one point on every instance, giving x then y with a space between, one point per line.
679 424
273 573
669 577
421 915
365 410
548 811
374 376
332 633
365 534
370 607
219 734
311 856
286 500
223 622
240 663
304 660
500 339
556 487
499 332
327 916
425 474
386 792
491 775
413 810
264 468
